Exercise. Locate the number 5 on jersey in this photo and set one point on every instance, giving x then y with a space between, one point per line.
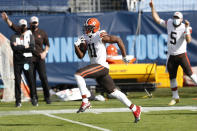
173 37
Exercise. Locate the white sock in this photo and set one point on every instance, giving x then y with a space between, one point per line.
194 78
175 94
173 86
85 100
122 97
173 83
82 87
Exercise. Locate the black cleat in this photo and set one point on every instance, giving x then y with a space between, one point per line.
48 101
136 120
18 104
34 102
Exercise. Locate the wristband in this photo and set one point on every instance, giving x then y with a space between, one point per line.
187 31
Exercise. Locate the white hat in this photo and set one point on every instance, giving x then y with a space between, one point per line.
178 14
22 22
34 19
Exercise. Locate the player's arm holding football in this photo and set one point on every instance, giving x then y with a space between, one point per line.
80 48
115 39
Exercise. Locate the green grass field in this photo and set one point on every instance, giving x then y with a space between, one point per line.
175 120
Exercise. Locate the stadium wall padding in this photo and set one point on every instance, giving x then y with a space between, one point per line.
63 30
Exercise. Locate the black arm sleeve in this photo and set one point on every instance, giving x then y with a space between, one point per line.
15 28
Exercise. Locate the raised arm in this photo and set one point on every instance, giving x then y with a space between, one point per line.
6 19
188 31
155 15
10 23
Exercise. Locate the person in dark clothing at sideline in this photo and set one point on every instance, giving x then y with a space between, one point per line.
39 54
22 44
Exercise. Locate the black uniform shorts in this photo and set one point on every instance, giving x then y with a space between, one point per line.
100 73
174 61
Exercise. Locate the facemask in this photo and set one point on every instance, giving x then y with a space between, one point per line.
90 34
23 29
89 30
33 27
177 22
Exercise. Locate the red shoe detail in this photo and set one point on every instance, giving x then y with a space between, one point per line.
84 96
83 107
174 89
132 105
137 113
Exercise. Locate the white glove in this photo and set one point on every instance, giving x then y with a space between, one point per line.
125 59
79 41
82 40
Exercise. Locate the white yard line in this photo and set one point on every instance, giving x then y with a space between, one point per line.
97 111
76 122
101 110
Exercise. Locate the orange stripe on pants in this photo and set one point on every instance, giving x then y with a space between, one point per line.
82 73
93 71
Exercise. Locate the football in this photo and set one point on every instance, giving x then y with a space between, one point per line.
83 47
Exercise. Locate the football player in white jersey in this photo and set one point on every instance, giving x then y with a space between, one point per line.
179 34
94 41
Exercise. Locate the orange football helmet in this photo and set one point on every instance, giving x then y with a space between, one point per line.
112 50
92 25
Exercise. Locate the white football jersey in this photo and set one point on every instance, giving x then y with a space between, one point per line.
177 43
96 48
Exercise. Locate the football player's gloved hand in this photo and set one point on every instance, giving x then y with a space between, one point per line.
79 41
125 59
82 40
